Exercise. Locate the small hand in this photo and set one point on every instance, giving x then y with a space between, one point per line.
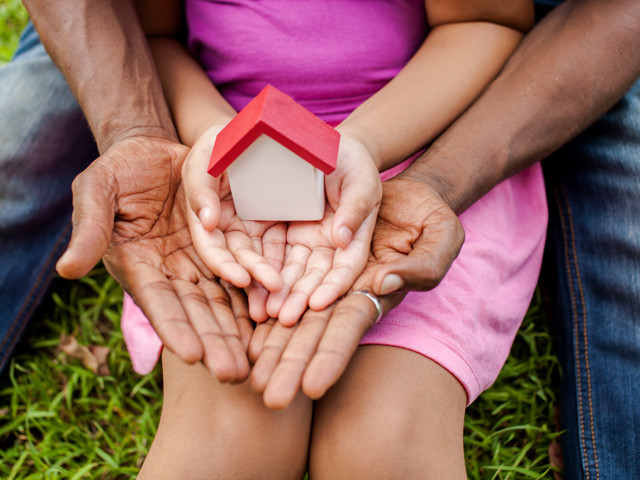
232 248
324 258
129 206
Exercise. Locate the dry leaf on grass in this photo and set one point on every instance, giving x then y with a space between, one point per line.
93 357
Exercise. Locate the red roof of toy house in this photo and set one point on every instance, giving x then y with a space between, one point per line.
277 115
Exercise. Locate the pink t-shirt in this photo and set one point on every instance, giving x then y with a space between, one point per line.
330 56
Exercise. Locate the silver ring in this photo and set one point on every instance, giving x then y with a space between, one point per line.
374 299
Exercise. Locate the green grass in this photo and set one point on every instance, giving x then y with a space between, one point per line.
13 17
60 420
509 428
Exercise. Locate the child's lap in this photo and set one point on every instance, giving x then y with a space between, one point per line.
467 323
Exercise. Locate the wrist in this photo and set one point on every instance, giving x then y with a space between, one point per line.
351 131
210 129
458 183
113 134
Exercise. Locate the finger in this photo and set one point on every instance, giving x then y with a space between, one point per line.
349 321
296 303
294 267
218 357
359 198
272 348
284 383
272 245
230 323
240 309
426 264
365 282
257 296
348 263
242 248
94 204
258 339
212 249
201 189
155 295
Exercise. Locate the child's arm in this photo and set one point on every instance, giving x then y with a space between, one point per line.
467 45
200 112
194 101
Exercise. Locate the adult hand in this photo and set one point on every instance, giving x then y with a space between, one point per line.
315 272
324 258
416 239
311 355
129 207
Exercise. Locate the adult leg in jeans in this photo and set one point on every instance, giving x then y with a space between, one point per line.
44 143
594 196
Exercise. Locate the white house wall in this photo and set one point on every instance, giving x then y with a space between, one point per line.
269 182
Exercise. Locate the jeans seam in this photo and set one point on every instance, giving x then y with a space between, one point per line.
569 238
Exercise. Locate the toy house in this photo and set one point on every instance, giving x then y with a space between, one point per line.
276 154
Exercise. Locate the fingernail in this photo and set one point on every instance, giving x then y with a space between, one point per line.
391 283
204 214
64 256
345 235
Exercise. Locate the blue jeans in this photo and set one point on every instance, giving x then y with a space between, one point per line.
44 143
594 242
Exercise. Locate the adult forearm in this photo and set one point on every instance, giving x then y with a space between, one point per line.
569 70
101 50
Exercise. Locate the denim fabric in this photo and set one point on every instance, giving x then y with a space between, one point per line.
594 239
44 143
593 268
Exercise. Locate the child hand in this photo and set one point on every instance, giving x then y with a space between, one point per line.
231 248
325 257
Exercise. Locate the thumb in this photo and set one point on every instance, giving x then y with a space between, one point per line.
358 199
424 267
94 203
370 281
201 189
